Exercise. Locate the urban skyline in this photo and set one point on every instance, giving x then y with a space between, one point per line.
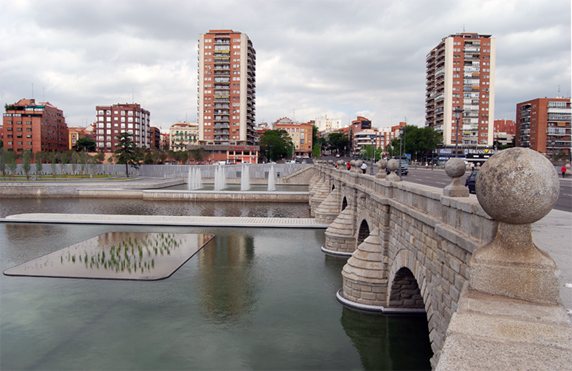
314 59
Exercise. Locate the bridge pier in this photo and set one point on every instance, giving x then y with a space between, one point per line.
365 276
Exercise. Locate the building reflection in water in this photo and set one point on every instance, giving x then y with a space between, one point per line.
402 341
227 286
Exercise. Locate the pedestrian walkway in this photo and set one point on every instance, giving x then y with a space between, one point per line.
167 220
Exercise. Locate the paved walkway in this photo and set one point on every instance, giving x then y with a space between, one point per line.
167 220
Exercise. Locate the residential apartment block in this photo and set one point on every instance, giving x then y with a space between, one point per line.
119 118
226 88
460 74
327 124
301 135
155 138
543 124
182 135
32 126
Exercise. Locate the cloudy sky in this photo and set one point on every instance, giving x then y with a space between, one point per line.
314 57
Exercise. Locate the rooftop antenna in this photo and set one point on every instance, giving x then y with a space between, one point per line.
558 96
32 90
133 95
44 99
463 28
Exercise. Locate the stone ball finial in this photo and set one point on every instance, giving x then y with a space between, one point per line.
455 168
517 186
381 164
392 165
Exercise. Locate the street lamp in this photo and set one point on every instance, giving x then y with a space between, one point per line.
458 114
553 144
372 138
401 133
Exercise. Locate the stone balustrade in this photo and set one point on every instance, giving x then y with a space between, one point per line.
414 248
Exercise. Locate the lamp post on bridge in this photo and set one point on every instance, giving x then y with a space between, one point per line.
458 114
372 138
401 133
553 150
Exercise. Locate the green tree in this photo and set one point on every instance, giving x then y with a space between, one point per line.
12 165
315 134
99 157
74 161
53 160
419 142
274 144
127 152
82 157
316 151
3 162
85 144
369 151
322 142
1 144
39 156
64 157
338 142
198 154
26 163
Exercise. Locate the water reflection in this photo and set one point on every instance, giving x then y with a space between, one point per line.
117 255
227 288
387 342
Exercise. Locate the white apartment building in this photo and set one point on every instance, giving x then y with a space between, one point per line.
183 134
326 124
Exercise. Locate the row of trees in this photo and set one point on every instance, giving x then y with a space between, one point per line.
419 142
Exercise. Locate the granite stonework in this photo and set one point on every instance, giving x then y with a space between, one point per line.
455 169
413 248
510 309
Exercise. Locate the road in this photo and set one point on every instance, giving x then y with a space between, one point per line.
438 178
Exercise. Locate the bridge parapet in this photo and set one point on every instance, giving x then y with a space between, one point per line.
411 248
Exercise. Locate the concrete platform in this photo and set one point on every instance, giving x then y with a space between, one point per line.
166 220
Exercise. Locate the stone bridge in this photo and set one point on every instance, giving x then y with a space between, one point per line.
411 248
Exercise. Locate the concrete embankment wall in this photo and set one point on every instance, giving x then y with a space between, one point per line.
256 171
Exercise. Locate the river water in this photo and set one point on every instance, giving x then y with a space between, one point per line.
259 299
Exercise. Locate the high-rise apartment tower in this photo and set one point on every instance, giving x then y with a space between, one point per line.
460 73
227 88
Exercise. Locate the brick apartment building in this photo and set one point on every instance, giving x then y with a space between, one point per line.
227 88
119 118
543 124
155 137
28 125
227 96
461 74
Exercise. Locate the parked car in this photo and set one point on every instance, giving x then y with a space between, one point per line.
471 181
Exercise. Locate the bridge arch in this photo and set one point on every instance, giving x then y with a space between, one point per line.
363 232
406 282
404 291
344 203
